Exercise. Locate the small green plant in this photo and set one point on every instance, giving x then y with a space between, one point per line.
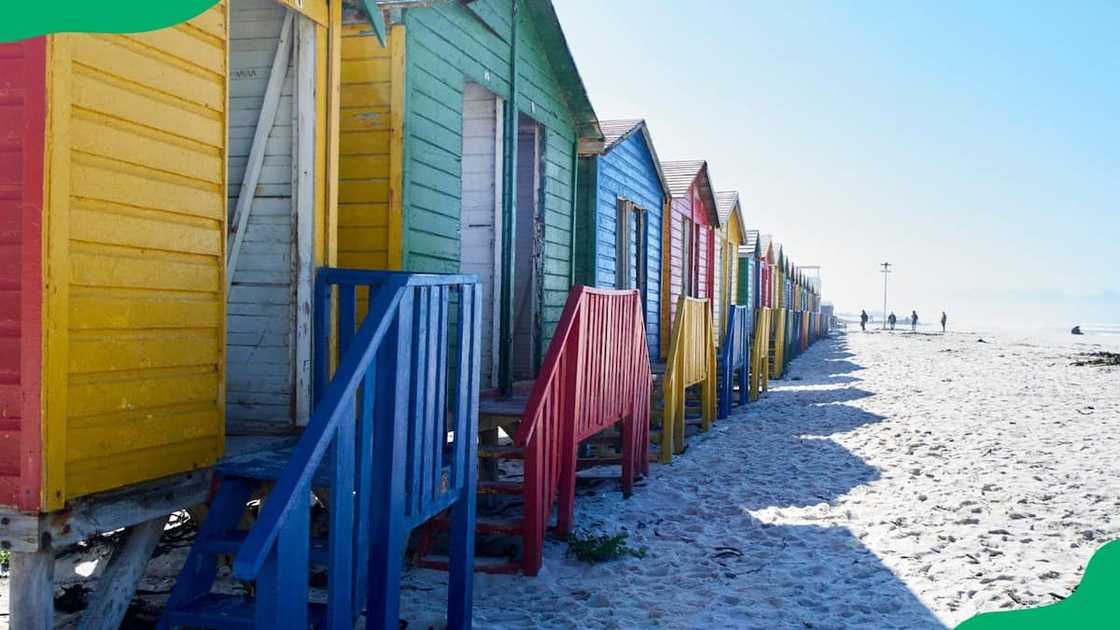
592 549
5 557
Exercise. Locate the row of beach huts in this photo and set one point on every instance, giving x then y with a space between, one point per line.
376 269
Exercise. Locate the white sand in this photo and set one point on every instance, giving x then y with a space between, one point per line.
904 481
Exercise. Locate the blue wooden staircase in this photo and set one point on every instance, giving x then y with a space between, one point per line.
394 429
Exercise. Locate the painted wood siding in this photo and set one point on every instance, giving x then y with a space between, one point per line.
137 218
719 304
628 171
448 46
363 203
680 210
22 120
705 252
261 306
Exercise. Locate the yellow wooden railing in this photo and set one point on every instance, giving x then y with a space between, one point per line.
691 361
760 354
777 341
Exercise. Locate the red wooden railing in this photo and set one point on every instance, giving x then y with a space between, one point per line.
596 374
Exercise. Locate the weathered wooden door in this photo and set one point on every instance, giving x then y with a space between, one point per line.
480 231
527 250
271 202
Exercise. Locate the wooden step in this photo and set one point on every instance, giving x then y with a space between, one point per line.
215 610
481 564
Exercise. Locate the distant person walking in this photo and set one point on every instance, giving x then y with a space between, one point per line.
863 320
913 321
891 319
944 320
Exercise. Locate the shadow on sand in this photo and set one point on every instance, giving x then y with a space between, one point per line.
817 576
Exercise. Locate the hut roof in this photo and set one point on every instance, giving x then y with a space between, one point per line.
726 203
751 243
543 14
682 173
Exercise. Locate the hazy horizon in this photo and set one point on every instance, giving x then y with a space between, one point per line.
976 146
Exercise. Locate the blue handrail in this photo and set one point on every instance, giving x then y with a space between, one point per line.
401 413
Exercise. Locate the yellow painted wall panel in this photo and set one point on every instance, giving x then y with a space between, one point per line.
118 433
92 395
94 475
136 244
132 227
132 188
365 138
365 143
115 351
212 22
142 269
373 97
119 56
136 309
103 93
133 144
368 215
187 44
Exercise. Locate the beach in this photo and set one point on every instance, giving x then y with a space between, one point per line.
890 480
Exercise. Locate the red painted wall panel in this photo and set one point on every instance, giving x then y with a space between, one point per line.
22 128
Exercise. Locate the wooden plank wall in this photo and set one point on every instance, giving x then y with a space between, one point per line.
448 46
680 211
261 310
363 222
137 222
628 171
22 120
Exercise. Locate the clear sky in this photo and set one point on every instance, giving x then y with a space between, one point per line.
975 145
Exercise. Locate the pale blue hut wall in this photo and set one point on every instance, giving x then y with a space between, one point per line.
628 170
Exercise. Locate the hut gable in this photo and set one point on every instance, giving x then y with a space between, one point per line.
681 176
727 205
750 246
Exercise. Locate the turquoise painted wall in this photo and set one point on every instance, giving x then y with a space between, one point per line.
448 45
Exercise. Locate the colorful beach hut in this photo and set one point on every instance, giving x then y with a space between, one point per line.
689 236
460 139
622 195
728 237
460 144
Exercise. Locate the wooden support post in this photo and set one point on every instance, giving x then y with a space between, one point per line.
118 582
31 589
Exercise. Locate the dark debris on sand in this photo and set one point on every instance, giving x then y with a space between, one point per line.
1097 359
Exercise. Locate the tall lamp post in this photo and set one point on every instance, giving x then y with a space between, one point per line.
886 269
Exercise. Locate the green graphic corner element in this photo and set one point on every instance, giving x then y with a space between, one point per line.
21 19
1095 603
